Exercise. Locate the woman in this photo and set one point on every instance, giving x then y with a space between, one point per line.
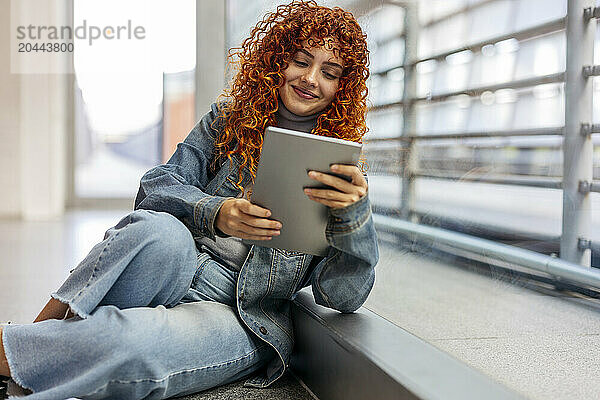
171 301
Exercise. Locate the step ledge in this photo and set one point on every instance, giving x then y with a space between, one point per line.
364 356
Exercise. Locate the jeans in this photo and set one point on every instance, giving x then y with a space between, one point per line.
155 318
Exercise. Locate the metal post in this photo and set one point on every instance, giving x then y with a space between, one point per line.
409 155
577 148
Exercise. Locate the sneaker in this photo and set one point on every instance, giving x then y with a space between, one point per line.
4 379
12 389
4 386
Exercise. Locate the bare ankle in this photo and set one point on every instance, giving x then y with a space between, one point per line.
69 314
4 369
54 309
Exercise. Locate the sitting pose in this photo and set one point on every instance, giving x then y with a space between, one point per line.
171 301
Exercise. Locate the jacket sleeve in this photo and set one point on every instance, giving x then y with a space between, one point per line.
178 186
345 277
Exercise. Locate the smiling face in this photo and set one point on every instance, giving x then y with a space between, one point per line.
311 79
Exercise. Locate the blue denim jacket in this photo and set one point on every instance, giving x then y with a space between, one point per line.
269 278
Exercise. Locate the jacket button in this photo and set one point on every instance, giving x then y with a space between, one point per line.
263 330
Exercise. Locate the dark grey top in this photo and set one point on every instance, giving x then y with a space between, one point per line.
230 251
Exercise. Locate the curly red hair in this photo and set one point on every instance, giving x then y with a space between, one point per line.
261 60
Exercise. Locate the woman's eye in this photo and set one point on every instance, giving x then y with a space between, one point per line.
328 75
300 63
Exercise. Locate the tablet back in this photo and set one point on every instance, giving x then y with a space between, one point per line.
281 177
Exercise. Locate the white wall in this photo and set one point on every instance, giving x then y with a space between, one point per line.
34 115
10 145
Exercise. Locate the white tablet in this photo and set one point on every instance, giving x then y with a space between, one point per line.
281 177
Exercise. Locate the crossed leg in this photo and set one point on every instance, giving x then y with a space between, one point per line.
132 337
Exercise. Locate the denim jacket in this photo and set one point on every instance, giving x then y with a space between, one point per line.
269 278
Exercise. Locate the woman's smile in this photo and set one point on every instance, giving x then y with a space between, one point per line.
305 94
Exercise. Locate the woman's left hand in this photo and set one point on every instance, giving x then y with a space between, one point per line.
347 192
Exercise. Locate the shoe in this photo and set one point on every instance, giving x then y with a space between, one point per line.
4 379
4 386
12 389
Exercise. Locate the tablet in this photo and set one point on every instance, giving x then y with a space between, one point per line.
281 177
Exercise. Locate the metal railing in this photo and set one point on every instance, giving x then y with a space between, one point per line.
525 34
577 183
556 267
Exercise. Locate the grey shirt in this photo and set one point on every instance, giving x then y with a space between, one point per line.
230 251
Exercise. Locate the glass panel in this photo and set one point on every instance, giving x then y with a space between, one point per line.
384 23
443 36
384 158
543 106
541 56
388 88
425 118
596 100
493 65
118 112
453 74
435 9
384 123
524 155
425 76
388 55
451 115
491 112
444 117
490 20
535 12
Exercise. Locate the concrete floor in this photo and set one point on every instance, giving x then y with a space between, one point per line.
543 344
35 258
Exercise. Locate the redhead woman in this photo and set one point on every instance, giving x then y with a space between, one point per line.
171 301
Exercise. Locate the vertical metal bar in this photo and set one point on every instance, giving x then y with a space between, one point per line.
577 148
409 155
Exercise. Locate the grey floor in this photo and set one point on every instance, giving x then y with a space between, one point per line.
35 258
286 388
543 344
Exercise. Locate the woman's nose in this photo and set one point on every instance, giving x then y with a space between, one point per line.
310 76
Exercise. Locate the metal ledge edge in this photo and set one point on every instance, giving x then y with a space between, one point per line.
363 356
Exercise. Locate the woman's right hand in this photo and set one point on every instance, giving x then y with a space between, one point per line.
240 218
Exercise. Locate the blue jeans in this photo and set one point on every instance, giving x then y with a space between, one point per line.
156 318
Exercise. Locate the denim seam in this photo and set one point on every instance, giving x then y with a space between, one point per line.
196 211
199 269
344 232
261 307
261 301
275 346
275 322
243 315
97 261
257 326
241 295
298 275
318 284
210 225
178 372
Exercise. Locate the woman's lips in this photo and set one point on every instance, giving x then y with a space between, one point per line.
303 94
